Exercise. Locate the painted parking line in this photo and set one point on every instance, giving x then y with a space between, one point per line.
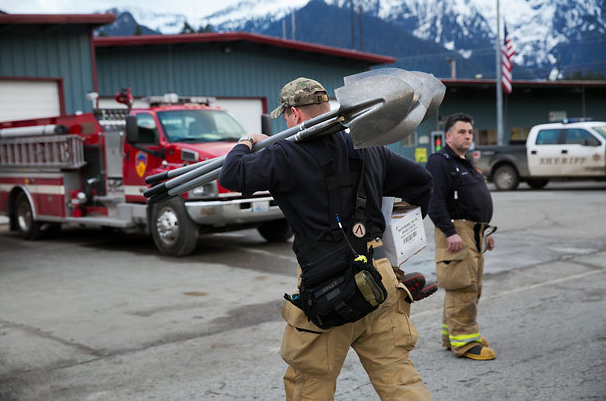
520 289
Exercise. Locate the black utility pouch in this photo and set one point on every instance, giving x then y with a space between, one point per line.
339 288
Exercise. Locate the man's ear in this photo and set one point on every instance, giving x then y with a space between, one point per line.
297 113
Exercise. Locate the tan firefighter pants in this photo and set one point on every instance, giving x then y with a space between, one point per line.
460 274
382 340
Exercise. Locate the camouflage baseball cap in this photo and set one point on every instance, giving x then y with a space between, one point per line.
300 92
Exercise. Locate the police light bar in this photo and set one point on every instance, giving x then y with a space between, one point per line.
576 120
173 98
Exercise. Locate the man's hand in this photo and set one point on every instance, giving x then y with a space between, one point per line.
258 137
489 243
455 243
255 137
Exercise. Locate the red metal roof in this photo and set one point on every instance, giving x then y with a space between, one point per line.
55 19
241 36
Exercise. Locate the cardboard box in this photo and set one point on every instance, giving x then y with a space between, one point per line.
404 233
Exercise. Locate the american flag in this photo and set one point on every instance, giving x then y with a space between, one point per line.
507 63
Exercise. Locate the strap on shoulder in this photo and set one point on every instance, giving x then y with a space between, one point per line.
335 182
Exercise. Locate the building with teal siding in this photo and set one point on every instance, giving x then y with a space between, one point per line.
47 63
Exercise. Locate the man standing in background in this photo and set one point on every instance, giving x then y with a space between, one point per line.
461 209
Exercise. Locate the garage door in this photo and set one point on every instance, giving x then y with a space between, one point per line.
246 111
21 99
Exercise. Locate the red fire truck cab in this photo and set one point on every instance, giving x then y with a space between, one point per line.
82 169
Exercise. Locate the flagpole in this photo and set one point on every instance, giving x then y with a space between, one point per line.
499 81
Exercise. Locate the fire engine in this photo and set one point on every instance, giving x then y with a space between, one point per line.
86 169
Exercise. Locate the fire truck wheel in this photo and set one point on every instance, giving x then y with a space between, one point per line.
275 231
175 234
27 227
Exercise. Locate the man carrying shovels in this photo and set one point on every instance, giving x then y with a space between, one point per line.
347 293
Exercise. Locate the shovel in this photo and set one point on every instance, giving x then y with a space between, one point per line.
383 98
429 93
437 90
430 88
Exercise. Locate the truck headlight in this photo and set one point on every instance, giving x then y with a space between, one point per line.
209 190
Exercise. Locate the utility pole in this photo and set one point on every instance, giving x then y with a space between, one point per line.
499 83
292 19
453 67
353 26
283 28
360 18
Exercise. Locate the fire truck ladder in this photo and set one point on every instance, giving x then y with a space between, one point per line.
54 152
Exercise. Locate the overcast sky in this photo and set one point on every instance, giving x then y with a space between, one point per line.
191 8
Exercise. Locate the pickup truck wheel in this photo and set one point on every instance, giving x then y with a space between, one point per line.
175 234
27 227
506 178
537 183
275 231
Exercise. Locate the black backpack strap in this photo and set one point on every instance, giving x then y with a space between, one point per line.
360 215
335 183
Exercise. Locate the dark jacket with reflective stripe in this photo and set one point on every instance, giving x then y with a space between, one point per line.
297 182
474 201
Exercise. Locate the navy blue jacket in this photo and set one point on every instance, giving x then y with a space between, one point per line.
454 173
298 185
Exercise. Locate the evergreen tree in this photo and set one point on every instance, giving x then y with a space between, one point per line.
138 31
585 76
207 29
187 28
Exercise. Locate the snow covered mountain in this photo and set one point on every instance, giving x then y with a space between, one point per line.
151 23
551 37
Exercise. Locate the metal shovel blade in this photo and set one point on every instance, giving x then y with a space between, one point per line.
410 118
437 89
430 89
415 116
400 132
381 110
422 93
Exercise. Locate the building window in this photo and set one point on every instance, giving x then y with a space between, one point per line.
486 137
519 134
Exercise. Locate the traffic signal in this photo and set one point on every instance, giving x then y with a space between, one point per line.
437 141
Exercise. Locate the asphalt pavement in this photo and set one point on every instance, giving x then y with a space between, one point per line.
87 316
